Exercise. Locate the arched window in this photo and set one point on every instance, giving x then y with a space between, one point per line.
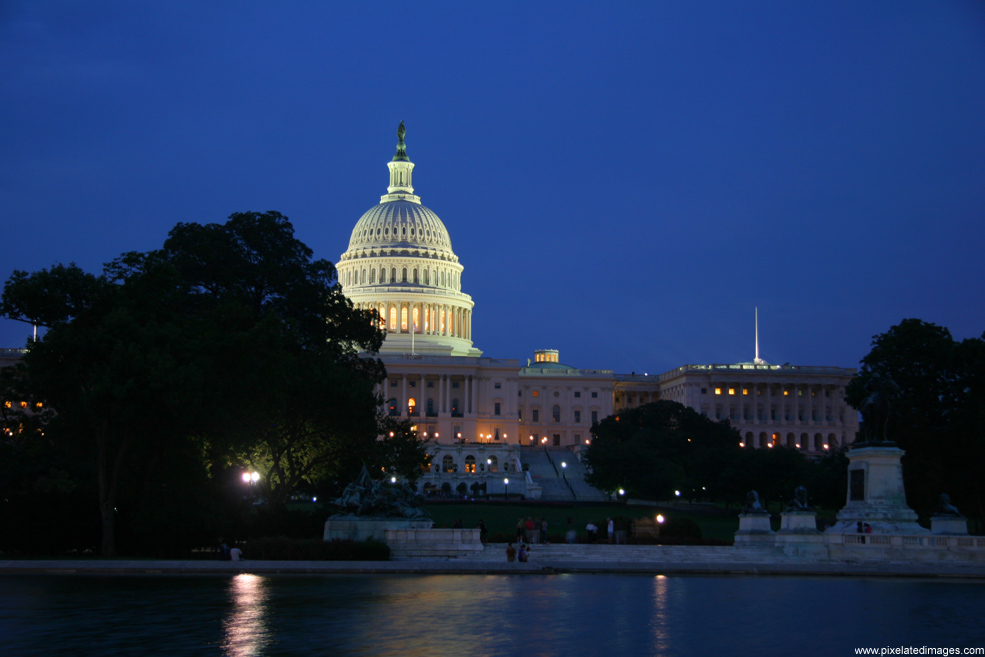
447 464
430 408
411 406
762 439
454 408
403 319
415 275
372 276
493 463
362 279
818 442
392 407
556 413
393 275
383 275
442 278
470 464
403 278
791 440
393 319
426 277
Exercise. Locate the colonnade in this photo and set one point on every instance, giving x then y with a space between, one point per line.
452 400
423 318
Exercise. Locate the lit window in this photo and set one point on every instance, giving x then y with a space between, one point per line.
23 404
38 405
786 392
536 393
718 391
745 391
731 391
6 404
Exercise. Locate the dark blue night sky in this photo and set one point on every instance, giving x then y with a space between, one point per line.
624 183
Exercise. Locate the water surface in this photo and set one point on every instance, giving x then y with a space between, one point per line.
438 615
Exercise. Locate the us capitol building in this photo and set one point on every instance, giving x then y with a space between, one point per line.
497 425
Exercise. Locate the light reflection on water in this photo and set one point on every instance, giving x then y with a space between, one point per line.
246 632
436 615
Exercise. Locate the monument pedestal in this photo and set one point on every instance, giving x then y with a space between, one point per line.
953 525
798 535
754 530
875 494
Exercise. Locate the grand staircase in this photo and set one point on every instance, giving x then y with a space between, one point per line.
559 483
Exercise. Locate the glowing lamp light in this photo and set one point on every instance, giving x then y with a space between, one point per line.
770 445
506 481
393 480
826 446
797 445
246 477
563 464
742 444
677 493
391 434
660 518
622 491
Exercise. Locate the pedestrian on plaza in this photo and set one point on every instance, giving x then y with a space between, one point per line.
543 531
529 530
235 554
611 527
520 526
571 535
523 554
510 553
483 534
593 532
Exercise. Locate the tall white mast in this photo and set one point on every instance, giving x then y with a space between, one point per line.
757 360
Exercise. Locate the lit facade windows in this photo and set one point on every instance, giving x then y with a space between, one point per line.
718 391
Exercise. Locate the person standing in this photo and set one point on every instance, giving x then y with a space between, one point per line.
510 553
483 534
520 526
611 527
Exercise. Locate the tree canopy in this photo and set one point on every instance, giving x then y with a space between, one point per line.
230 340
657 448
938 413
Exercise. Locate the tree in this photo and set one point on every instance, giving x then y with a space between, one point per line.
111 363
938 415
401 452
230 337
294 385
657 448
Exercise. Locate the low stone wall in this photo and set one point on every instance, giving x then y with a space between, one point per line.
360 529
908 547
412 543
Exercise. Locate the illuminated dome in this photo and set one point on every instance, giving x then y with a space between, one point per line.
400 263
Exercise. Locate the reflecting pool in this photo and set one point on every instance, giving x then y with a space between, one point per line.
439 615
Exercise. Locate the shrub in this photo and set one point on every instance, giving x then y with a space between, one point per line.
680 528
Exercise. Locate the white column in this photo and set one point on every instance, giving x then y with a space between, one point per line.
403 392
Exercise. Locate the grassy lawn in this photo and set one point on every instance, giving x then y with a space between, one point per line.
501 519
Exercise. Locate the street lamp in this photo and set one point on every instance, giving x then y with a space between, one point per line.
506 483
564 469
